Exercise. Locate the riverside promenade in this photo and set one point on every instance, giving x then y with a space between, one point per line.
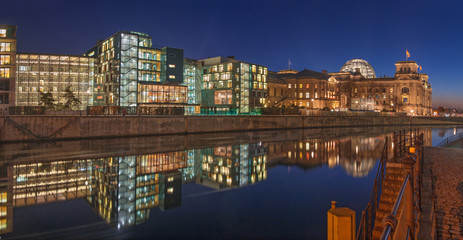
442 216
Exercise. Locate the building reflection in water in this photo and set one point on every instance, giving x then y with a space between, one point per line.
123 189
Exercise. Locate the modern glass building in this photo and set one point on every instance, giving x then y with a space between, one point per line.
128 64
54 73
7 66
231 86
192 76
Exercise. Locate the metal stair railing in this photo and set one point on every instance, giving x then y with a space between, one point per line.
367 222
411 186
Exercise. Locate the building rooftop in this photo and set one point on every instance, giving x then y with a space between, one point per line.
274 77
310 74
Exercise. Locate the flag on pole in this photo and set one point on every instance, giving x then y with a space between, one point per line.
407 53
289 64
421 68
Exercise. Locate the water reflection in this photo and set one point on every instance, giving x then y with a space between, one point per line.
123 189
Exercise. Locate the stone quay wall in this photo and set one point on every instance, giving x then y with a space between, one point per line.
33 128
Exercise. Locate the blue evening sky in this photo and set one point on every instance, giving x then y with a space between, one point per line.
315 35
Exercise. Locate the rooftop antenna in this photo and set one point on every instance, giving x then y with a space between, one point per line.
289 64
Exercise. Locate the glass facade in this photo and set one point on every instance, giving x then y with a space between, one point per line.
365 68
54 73
162 93
7 66
192 79
233 87
126 62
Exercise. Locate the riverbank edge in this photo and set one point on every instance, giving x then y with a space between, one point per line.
51 128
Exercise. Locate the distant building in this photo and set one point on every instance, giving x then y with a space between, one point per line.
277 89
313 90
7 66
230 86
408 91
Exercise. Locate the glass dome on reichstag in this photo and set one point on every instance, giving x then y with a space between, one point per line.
365 68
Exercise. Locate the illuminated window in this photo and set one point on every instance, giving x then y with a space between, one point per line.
307 85
170 190
223 97
170 179
316 95
316 85
3 211
300 95
229 67
5 72
3 197
289 85
3 32
307 95
254 68
4 59
172 65
3 223
171 76
5 47
300 85
391 90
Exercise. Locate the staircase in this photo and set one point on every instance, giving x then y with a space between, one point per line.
391 187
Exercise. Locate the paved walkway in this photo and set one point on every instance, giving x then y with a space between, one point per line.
447 172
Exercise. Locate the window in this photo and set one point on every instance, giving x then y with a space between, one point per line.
5 47
300 95
4 85
3 100
3 211
391 90
316 95
223 97
307 85
405 100
307 95
405 90
2 32
5 72
316 86
289 85
171 76
300 85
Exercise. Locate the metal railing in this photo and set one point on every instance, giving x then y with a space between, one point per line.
409 196
445 142
367 222
387 233
404 142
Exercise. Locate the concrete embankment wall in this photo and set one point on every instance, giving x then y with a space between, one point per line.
30 128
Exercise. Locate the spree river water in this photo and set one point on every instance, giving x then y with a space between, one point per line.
267 184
